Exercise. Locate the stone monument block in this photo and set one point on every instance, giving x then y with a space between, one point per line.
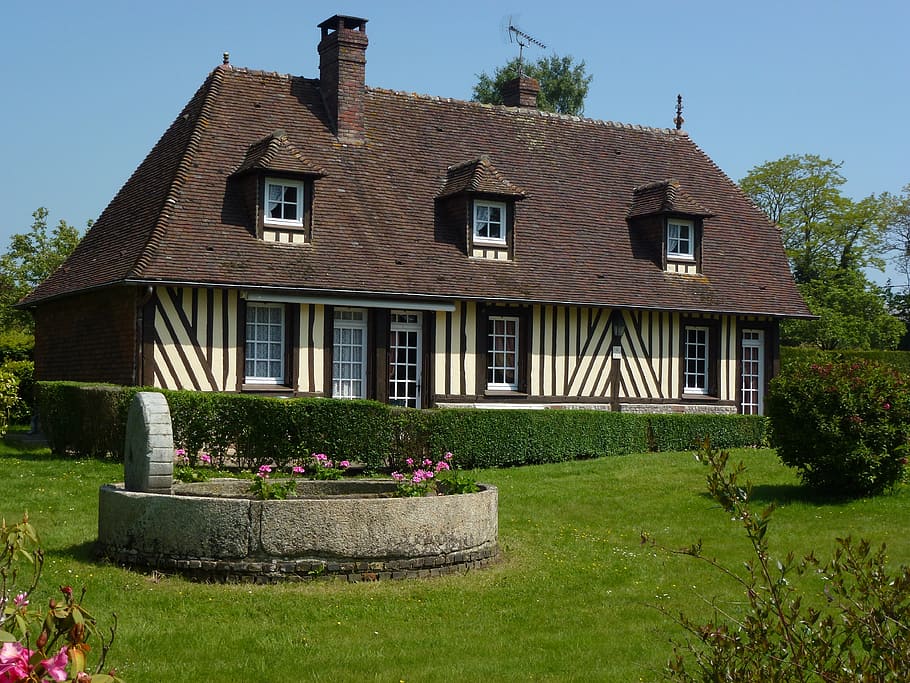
148 461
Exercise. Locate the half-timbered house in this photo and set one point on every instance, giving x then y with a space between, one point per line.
318 237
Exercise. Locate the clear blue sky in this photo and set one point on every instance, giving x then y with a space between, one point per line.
90 86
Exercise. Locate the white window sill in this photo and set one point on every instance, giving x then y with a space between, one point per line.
486 241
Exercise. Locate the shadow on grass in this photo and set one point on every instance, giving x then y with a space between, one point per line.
82 552
786 494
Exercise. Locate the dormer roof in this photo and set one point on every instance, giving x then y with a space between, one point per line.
478 176
665 197
275 152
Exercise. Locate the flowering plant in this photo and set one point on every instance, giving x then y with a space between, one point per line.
185 470
427 478
322 468
266 488
60 649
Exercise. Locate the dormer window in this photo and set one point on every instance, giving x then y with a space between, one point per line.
489 222
680 240
283 202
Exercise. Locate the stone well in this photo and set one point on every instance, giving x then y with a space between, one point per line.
353 529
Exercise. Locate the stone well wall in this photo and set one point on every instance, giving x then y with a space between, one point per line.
343 535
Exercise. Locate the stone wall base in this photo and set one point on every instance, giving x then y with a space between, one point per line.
280 570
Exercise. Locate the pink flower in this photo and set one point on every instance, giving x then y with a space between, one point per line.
56 665
297 469
181 452
448 456
321 457
442 465
206 458
427 462
397 476
410 462
14 662
21 600
887 406
344 463
264 471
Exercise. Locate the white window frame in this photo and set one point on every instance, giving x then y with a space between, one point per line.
696 350
283 183
753 400
479 223
349 372
500 361
675 240
274 348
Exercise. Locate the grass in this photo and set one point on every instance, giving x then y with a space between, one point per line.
573 598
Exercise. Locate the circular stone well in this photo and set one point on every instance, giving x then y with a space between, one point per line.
214 531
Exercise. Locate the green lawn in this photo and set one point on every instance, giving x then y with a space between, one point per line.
573 597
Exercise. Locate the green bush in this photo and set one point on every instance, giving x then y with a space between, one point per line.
681 432
9 397
84 419
16 345
24 372
843 426
250 431
899 360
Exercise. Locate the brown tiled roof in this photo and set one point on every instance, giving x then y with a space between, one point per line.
665 196
374 229
478 176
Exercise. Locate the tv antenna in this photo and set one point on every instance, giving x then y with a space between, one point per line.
516 35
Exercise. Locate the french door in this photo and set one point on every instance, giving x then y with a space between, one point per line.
753 372
405 358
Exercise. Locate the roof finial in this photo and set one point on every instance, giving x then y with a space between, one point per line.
226 58
679 120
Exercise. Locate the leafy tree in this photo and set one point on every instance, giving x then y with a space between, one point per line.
563 84
852 315
30 259
822 230
898 208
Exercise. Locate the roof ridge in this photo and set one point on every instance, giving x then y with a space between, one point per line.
531 112
180 175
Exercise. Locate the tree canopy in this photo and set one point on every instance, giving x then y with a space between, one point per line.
831 240
822 229
563 83
30 259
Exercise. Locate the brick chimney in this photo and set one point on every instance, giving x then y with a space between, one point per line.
342 70
521 92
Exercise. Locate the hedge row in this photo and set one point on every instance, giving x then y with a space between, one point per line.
90 420
802 356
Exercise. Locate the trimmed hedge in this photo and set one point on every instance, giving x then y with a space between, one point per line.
90 420
802 356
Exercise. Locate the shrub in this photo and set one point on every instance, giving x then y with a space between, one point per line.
24 371
16 345
843 426
9 397
856 629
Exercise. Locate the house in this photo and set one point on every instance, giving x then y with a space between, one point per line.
318 237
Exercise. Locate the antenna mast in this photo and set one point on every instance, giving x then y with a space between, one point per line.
523 40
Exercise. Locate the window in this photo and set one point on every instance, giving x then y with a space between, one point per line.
283 202
490 222
695 372
680 240
349 359
264 361
502 353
